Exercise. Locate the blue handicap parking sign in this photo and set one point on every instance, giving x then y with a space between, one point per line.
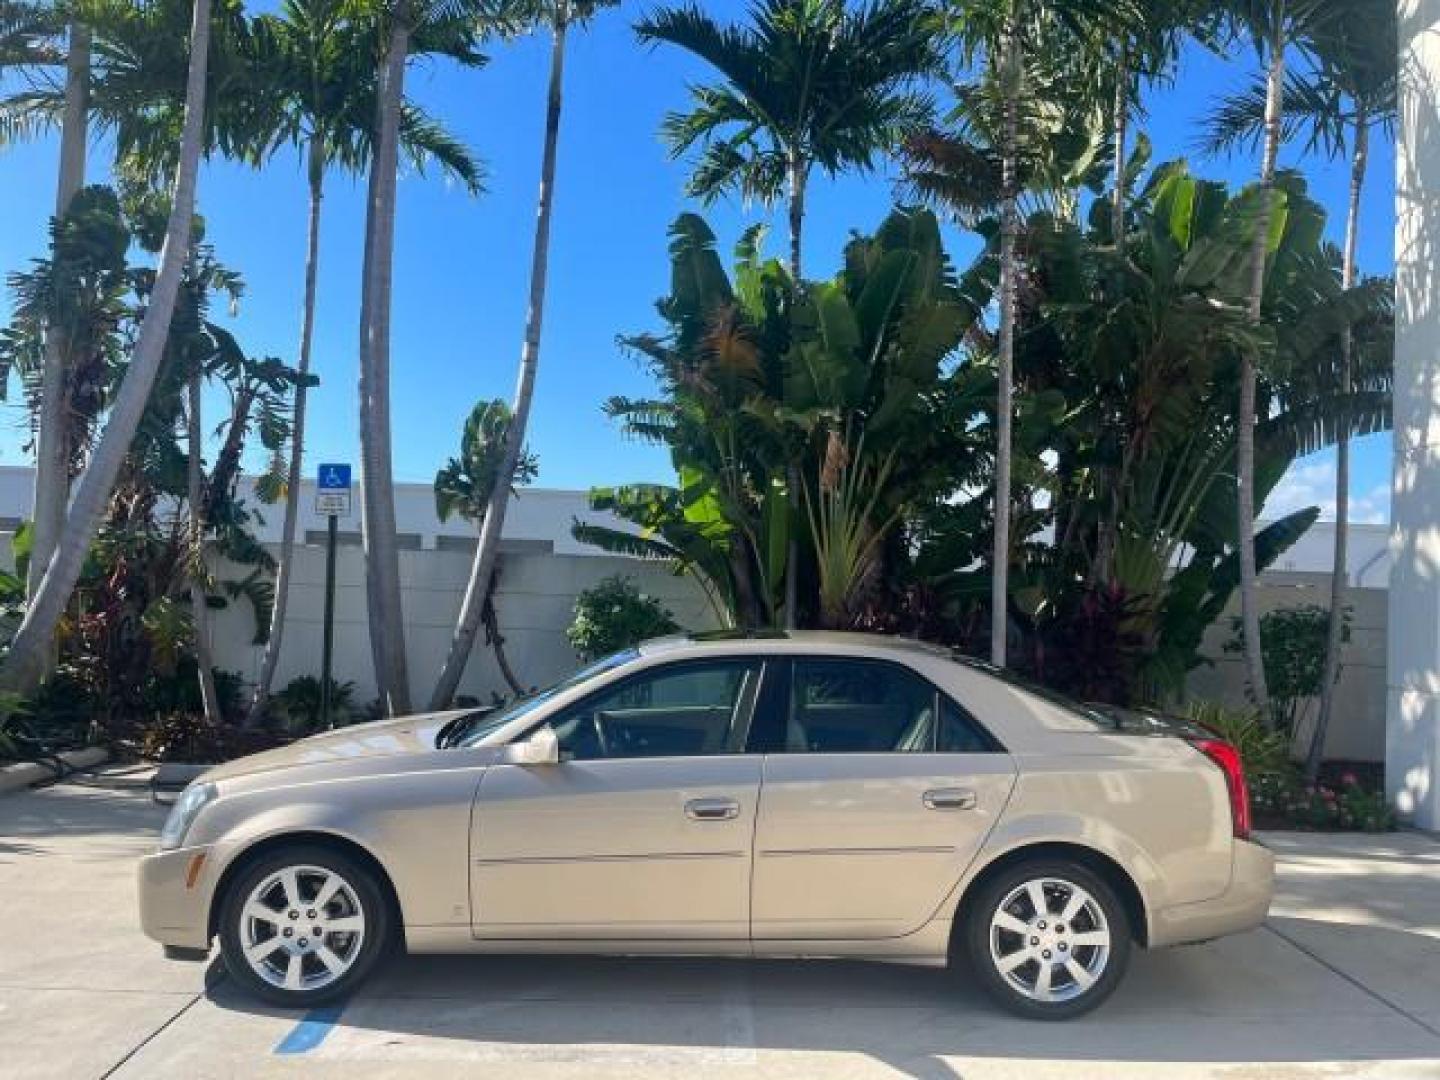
333 478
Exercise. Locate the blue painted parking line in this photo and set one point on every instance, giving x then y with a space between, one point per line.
310 1032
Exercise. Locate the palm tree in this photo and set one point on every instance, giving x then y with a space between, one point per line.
25 32
560 14
136 93
1350 91
809 84
25 662
23 45
466 486
199 609
52 449
461 28
313 64
1271 25
1144 42
993 30
1009 71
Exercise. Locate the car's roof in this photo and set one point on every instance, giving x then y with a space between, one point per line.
825 641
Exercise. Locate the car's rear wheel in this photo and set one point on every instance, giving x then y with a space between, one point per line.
303 925
1048 939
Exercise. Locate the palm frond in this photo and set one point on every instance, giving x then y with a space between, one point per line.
426 141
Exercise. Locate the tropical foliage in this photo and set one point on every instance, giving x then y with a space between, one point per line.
1052 453
615 615
880 383
132 617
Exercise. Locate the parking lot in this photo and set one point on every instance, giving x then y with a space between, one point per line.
1344 981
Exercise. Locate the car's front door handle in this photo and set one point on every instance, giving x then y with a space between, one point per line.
949 798
712 809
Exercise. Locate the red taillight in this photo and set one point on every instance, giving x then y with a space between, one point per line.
1227 757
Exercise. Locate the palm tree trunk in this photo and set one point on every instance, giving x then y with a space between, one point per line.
199 613
382 554
497 639
294 474
796 215
227 460
52 445
25 663
798 178
1245 433
472 608
1000 558
1339 575
1122 124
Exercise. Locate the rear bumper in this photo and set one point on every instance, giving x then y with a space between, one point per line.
175 897
1243 906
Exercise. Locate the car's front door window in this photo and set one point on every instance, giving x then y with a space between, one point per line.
686 709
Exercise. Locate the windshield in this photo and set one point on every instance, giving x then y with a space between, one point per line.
476 728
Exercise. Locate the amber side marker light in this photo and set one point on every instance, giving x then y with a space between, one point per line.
192 872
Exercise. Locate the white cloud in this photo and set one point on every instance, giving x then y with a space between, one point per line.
1312 483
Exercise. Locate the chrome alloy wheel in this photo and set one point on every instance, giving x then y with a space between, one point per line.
302 928
1049 940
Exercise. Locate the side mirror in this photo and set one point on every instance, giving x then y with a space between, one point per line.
542 748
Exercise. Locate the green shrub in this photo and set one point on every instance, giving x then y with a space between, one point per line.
1263 752
300 703
615 615
186 736
178 691
13 710
1292 644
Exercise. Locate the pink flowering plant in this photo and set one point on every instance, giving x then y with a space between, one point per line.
1283 800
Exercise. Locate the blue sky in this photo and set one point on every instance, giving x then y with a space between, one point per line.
461 264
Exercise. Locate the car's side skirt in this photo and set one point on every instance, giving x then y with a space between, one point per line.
930 942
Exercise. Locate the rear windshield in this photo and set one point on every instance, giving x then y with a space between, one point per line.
1101 717
1150 722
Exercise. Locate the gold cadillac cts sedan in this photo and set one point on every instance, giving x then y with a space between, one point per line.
790 795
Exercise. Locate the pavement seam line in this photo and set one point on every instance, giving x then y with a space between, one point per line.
1353 981
204 991
151 1037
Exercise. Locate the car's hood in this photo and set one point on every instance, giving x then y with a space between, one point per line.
382 739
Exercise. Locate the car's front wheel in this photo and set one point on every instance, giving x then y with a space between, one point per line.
303 925
1048 939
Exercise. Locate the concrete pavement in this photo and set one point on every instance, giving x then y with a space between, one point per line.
1344 981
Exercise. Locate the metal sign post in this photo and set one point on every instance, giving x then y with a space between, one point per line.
332 498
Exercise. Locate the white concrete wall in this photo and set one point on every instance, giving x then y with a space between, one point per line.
1367 554
537 519
535 604
1357 730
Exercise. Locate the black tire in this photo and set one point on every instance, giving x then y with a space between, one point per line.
1108 968
364 893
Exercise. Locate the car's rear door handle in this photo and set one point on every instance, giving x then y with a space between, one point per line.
949 798
712 809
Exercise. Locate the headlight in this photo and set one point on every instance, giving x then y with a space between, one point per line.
183 813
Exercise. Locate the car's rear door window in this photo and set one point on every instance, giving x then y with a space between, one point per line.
838 705
849 706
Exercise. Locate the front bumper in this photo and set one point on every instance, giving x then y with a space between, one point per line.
1242 906
175 889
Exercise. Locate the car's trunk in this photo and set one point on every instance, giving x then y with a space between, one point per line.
1132 721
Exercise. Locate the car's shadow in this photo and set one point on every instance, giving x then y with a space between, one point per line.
1254 998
